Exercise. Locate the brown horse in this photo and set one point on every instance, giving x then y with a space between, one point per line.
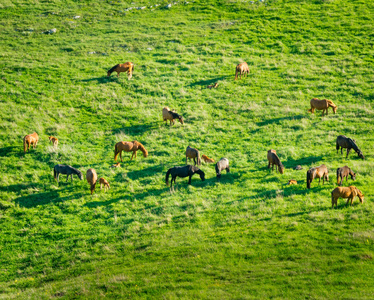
91 177
28 140
193 153
206 159
274 160
317 172
241 69
53 140
129 147
344 172
126 67
167 114
105 183
344 142
323 105
346 192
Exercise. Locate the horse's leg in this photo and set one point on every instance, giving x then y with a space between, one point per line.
189 179
120 155
269 165
132 155
319 181
58 176
67 177
194 161
348 152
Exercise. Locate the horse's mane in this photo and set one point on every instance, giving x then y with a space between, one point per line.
353 144
331 103
112 69
141 147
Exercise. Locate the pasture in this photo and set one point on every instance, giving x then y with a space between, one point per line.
250 235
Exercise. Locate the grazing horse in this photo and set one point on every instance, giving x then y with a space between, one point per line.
126 67
346 192
68 170
30 139
323 105
206 159
129 147
53 140
104 182
274 160
91 177
183 172
344 172
193 153
167 114
241 68
222 164
317 172
344 142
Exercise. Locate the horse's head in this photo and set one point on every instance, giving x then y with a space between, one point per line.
281 168
80 175
360 196
202 175
334 109
180 118
353 176
108 74
360 154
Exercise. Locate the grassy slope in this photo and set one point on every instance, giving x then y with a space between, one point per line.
249 236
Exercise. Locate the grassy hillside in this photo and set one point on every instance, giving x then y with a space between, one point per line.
247 236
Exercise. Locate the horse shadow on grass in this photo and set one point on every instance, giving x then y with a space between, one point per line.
291 163
13 151
134 130
278 120
101 80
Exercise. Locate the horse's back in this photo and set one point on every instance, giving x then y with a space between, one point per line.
91 176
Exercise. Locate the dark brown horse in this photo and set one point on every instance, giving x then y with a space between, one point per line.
344 142
317 172
344 172
274 160
183 172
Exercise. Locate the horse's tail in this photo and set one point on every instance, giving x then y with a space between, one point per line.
308 179
24 144
54 172
167 177
112 69
198 157
115 152
236 73
337 144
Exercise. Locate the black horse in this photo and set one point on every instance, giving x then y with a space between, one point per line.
183 172
68 170
344 142
222 164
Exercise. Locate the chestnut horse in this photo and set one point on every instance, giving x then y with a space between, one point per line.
126 67
344 172
28 140
274 160
323 105
206 159
317 172
129 147
241 68
193 153
346 192
53 140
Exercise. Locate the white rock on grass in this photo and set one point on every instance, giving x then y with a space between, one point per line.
168 6
51 31
76 17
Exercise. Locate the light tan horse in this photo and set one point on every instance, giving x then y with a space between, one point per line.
323 105
346 192
129 147
126 67
105 183
53 140
241 69
30 140
274 160
317 172
91 177
193 153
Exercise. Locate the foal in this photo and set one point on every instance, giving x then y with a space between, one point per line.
274 160
126 67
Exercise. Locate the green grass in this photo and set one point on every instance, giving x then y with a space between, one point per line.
248 236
